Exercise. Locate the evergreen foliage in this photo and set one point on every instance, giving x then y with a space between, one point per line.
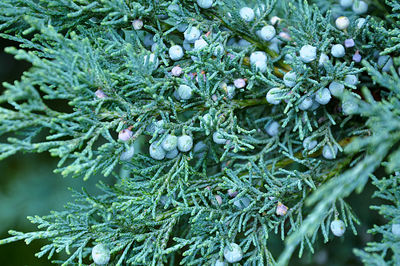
238 171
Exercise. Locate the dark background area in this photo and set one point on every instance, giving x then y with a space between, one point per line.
28 186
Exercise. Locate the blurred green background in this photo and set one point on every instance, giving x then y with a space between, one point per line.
28 186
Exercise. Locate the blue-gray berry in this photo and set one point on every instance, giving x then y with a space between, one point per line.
308 53
306 104
336 88
169 143
185 143
323 96
176 52
156 151
309 143
337 50
185 92
329 153
100 254
290 79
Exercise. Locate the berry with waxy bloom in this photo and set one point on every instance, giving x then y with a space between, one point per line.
125 134
176 71
342 23
185 143
100 94
308 53
239 83
247 14
137 24
281 209
156 151
100 254
233 253
338 227
337 50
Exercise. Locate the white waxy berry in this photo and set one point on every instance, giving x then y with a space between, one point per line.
205 3
185 143
338 227
175 52
137 24
351 79
128 153
336 88
306 104
396 229
342 23
200 44
308 53
309 143
176 71
125 134
156 151
169 143
360 7
272 128
261 66
185 92
329 153
100 94
233 253
323 96
275 20
218 138
267 33
191 34
247 14
172 154
220 263
258 56
281 209
239 83
337 50
290 79
273 96
385 62
346 3
323 59
101 254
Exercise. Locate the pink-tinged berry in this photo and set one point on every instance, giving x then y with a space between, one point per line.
281 209
239 83
357 57
100 94
349 43
125 134
176 71
137 24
